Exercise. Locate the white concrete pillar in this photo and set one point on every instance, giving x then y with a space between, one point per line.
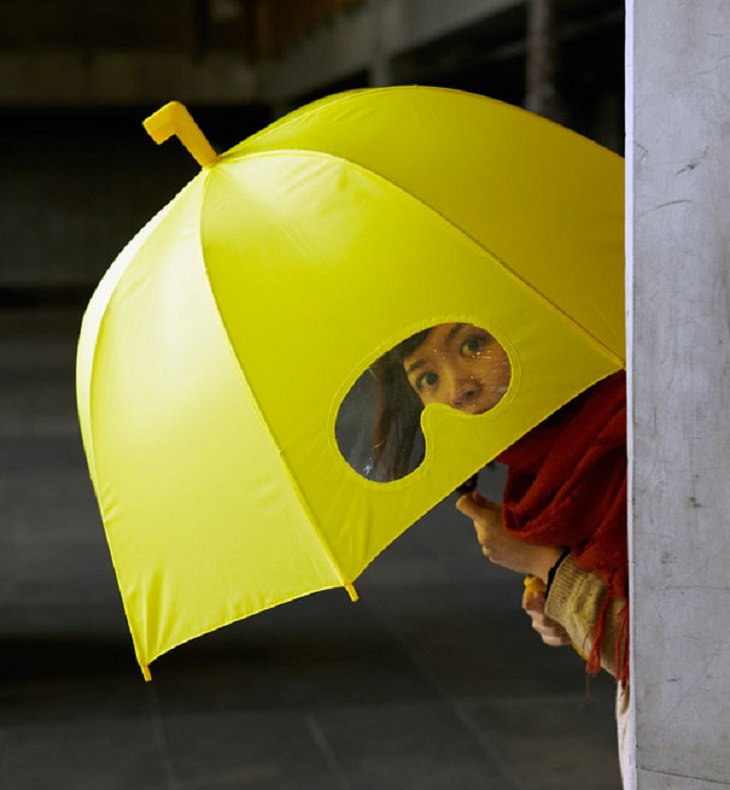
678 189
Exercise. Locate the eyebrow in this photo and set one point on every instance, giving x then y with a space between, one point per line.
455 329
417 364
450 335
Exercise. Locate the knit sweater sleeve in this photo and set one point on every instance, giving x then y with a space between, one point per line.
574 601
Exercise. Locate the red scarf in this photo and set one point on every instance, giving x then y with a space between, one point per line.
567 487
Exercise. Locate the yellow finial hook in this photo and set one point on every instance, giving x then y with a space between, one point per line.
174 119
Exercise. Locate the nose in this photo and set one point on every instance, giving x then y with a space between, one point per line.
464 391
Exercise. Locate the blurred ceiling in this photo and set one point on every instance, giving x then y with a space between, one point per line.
104 52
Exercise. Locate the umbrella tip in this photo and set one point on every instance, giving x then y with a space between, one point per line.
174 119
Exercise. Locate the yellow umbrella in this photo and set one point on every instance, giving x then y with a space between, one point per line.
218 348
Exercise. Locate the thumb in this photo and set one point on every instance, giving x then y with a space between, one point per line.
473 504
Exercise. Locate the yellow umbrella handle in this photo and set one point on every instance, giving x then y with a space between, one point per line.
533 584
174 119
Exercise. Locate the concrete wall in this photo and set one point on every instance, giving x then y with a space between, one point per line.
679 161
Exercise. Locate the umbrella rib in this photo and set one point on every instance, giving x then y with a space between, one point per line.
296 117
239 366
509 269
452 224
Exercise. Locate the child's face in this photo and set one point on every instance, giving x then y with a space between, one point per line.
461 366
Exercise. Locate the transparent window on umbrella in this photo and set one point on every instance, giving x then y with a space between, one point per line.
378 426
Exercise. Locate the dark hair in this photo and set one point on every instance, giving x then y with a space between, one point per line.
397 446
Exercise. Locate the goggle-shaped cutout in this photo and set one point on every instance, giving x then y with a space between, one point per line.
378 427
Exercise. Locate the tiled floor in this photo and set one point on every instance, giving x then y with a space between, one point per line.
433 681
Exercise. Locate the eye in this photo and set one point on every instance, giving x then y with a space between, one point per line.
474 344
426 381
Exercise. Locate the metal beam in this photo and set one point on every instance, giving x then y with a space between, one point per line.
122 77
343 46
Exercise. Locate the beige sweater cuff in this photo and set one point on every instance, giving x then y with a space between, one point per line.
574 601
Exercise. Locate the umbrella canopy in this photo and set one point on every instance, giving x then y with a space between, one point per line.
220 345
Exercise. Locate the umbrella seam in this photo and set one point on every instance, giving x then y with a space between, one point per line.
142 236
239 366
452 223
352 95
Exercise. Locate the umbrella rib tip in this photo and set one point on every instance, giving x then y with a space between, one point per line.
351 591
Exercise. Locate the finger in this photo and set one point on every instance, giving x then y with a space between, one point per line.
473 504
545 624
533 601
551 632
556 641
466 505
485 546
552 636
